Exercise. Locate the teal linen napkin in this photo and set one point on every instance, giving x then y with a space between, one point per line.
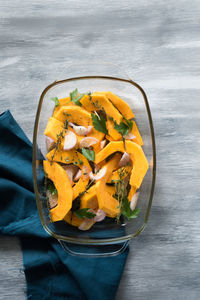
50 272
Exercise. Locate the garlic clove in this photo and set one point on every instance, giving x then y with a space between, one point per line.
100 215
134 200
103 143
70 140
87 142
78 175
49 143
71 171
99 175
81 130
130 136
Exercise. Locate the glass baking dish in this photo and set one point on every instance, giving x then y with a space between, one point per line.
104 238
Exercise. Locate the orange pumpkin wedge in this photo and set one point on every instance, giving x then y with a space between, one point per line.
61 181
124 171
98 101
106 201
54 128
73 157
140 163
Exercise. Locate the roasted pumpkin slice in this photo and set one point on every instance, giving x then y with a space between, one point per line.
110 189
63 101
61 181
140 163
98 101
109 149
54 128
89 199
114 134
80 116
121 105
74 114
73 157
106 201
120 173
131 192
73 219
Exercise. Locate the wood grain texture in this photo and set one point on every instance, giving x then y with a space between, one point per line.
157 43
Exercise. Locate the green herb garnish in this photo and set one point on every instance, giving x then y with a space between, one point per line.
75 98
121 196
99 123
55 100
126 211
129 123
84 213
66 124
122 128
60 137
89 154
110 118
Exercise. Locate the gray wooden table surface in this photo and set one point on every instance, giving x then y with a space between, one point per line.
158 43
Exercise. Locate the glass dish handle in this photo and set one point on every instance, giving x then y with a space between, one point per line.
94 250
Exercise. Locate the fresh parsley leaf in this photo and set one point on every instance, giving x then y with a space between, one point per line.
126 210
52 189
89 154
55 100
99 123
75 98
122 128
129 123
76 101
84 213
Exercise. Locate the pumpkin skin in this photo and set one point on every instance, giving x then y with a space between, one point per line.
61 181
73 156
106 201
140 163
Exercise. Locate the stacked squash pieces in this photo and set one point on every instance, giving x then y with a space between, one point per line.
92 142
